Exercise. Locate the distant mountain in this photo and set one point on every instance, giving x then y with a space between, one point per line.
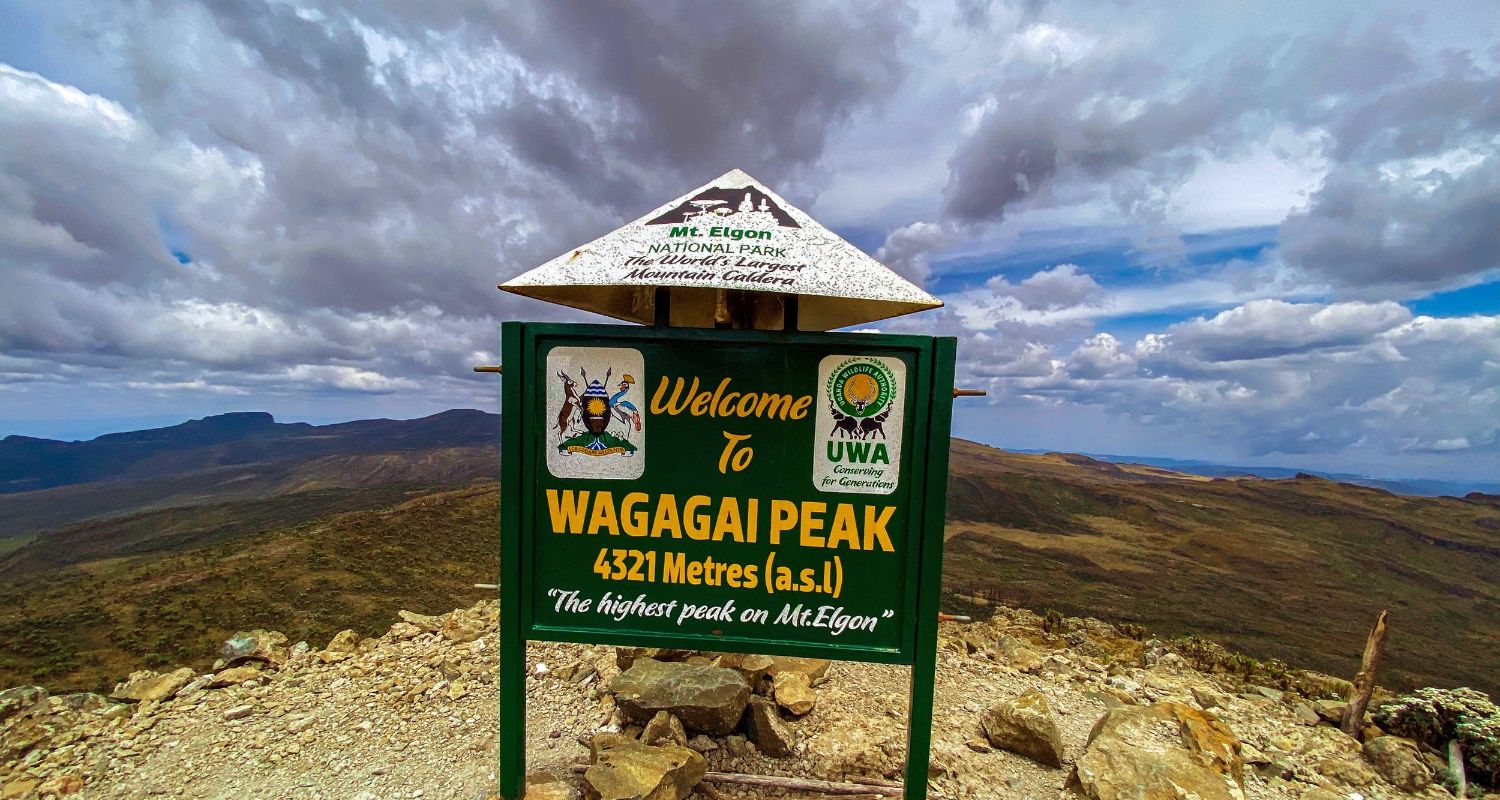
28 464
1424 487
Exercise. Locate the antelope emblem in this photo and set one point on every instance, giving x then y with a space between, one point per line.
570 404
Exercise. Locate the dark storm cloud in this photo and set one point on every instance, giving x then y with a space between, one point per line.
347 183
1067 120
1364 229
763 82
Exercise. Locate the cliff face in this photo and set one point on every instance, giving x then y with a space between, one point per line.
1026 706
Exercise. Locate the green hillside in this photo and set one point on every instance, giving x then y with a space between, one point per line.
1294 569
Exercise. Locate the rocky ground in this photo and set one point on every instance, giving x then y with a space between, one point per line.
1026 708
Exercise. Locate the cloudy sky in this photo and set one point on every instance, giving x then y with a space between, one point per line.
1238 231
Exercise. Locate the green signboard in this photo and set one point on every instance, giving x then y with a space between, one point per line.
775 493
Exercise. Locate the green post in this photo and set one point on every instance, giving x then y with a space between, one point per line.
510 642
924 662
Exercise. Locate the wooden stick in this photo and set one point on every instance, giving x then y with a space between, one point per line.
793 784
1364 682
1456 769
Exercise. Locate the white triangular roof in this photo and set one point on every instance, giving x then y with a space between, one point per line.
730 233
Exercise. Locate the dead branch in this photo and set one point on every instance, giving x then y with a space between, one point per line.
1364 682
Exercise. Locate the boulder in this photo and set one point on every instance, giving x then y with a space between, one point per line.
423 622
664 729
705 698
256 645
1163 751
764 726
1017 653
1305 713
1026 726
81 701
794 692
345 641
750 666
21 700
18 788
1400 762
1208 698
60 786
547 786
625 769
148 686
816 669
462 627
1332 755
1330 711
234 676
404 630
626 656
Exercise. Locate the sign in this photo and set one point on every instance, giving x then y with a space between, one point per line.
731 233
775 493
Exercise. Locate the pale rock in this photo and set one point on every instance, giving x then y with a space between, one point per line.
461 628
706 699
405 630
21 700
1399 761
1305 715
1017 653
624 769
1026 726
1163 751
664 729
547 786
1330 711
234 676
625 656
423 622
794 692
750 666
764 727
239 712
816 669
258 645
1208 698
147 686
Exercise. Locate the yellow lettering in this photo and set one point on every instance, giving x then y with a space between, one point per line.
875 528
672 407
728 521
674 568
812 522
783 518
603 519
718 390
799 408
636 523
725 407
566 509
666 518
845 528
696 524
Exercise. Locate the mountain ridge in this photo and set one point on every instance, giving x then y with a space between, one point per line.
30 464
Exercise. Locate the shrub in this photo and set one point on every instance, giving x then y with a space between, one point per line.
1438 716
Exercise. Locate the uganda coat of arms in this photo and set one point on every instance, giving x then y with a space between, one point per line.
596 429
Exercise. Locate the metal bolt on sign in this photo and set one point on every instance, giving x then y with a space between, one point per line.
725 475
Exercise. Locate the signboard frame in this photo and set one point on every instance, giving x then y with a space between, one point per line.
522 406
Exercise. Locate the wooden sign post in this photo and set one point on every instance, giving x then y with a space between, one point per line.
756 491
